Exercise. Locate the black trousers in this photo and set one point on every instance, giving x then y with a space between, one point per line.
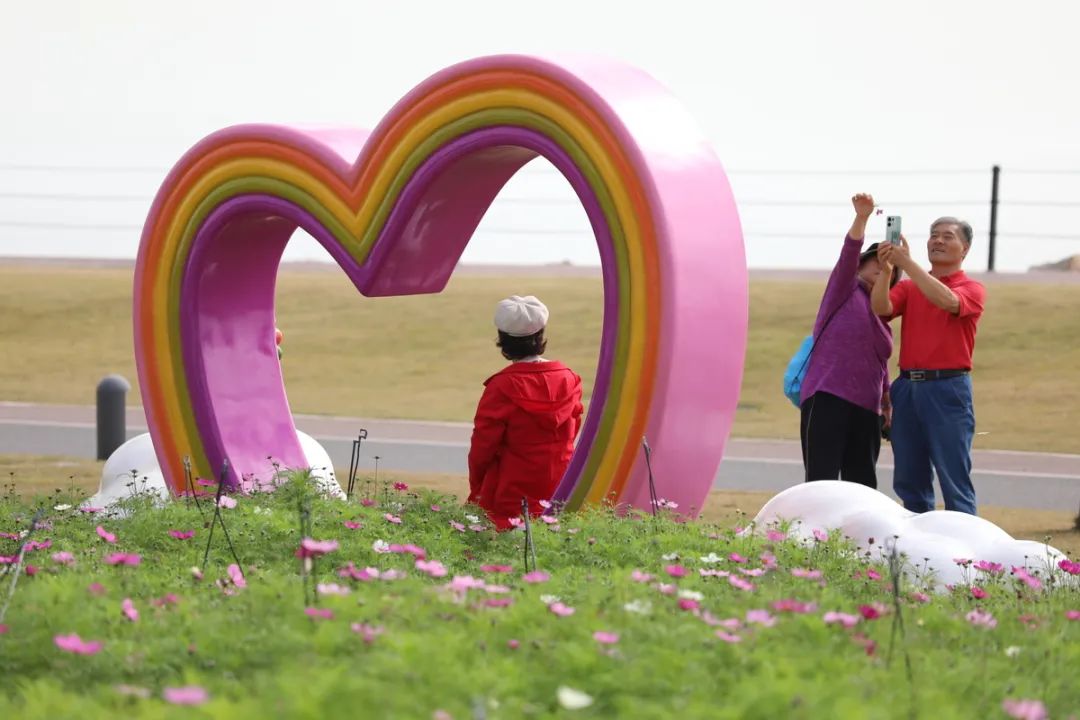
840 440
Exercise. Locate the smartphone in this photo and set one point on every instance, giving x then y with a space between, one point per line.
892 229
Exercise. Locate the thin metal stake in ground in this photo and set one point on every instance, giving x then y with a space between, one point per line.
190 481
895 572
19 563
219 518
354 462
654 501
530 546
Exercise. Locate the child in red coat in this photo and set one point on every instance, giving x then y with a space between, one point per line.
527 419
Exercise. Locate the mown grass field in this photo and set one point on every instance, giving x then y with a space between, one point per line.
423 612
424 357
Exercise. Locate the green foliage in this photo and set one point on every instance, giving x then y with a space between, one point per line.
428 648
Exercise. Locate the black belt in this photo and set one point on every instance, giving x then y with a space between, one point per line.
923 375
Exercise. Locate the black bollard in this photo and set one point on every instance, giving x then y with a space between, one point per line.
111 415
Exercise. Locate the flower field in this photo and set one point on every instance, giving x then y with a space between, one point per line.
406 605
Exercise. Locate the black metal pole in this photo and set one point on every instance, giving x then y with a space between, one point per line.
993 217
111 419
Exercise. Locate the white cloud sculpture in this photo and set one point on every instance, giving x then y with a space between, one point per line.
133 467
931 542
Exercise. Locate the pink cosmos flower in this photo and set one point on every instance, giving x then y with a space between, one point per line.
804 573
3 628
605 638
391 518
775 535
741 584
549 520
736 557
353 525
561 610
768 560
703 572
977 592
166 600
90 509
872 574
962 562
130 559
435 508
188 695
457 526
63 557
760 617
367 632
641 577
793 606
980 618
462 583
226 502
237 576
351 571
497 602
35 545
127 608
676 571
1024 709
96 588
752 572
991 568
1022 574
319 613
839 618
496 568
105 535
1072 614
480 528
76 645
821 535
1070 566
730 638
8 559
409 549
315 548
496 589
920 597
666 588
872 612
513 644
182 534
203 482
31 570
433 568
367 502
400 486
536 576
689 604
9 536
331 589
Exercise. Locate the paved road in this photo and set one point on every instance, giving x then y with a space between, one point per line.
1010 479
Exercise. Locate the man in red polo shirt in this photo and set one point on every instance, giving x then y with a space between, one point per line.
933 420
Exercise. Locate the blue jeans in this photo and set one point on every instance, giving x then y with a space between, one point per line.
933 424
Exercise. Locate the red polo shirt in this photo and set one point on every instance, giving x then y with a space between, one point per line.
932 338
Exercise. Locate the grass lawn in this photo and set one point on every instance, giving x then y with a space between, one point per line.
423 357
423 612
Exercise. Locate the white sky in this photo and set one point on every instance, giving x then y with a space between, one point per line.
804 86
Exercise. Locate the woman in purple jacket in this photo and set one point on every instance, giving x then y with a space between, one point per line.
845 394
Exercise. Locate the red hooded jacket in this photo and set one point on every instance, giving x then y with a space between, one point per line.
523 437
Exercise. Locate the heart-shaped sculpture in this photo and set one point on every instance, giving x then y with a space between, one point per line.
396 207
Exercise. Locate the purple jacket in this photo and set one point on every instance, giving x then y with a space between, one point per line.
850 358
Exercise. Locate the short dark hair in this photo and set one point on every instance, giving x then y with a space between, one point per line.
966 233
519 348
871 254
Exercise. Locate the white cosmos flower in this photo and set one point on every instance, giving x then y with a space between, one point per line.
380 546
670 556
640 607
711 559
572 699
691 595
